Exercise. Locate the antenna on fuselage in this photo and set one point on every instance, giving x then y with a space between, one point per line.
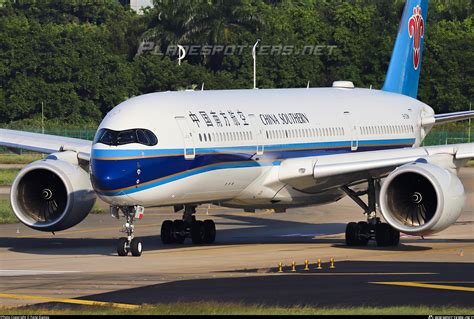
307 86
254 56
202 86
181 53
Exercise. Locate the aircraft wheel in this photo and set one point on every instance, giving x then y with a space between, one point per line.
167 232
351 234
363 232
386 235
178 231
136 247
209 231
122 247
395 237
197 232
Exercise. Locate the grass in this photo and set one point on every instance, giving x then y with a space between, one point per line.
19 159
215 308
470 163
97 209
6 213
7 175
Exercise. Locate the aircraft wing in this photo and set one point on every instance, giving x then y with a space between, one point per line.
343 169
453 117
44 143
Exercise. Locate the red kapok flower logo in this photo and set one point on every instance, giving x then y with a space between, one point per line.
416 30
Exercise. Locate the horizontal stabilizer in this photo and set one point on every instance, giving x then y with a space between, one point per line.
453 117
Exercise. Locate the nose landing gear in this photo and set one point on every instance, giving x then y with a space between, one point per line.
200 232
129 244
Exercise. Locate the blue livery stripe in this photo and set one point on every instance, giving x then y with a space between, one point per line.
114 172
120 154
172 178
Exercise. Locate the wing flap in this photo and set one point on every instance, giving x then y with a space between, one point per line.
366 161
343 169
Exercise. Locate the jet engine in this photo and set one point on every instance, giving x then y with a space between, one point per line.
421 198
52 194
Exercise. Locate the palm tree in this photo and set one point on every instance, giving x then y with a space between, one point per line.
205 23
173 22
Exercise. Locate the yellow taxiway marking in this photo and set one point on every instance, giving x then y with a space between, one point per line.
424 285
72 301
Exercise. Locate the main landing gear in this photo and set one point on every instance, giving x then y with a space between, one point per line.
359 234
129 244
200 232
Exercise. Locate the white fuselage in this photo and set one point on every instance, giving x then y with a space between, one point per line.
226 146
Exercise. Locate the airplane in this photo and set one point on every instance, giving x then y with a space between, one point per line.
257 149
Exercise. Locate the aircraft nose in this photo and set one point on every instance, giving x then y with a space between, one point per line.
112 176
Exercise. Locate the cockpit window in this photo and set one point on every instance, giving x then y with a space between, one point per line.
114 138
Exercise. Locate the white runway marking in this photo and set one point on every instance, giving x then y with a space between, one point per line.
11 272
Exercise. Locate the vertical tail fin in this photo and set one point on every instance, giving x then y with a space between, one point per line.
404 69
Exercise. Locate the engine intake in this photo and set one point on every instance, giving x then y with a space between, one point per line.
421 198
52 194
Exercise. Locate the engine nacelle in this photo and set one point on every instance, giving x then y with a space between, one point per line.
421 198
52 194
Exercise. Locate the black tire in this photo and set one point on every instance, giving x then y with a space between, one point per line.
351 234
178 228
136 247
167 232
122 247
209 231
394 237
383 235
363 233
197 232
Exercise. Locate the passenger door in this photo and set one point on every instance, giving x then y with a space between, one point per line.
187 134
354 137
257 133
